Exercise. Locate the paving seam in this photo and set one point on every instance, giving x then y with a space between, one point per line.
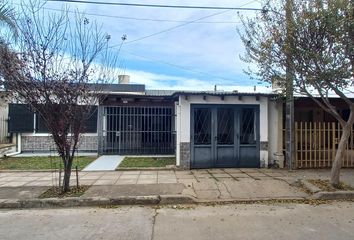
118 178
227 189
153 223
271 176
230 175
254 178
137 180
195 177
211 174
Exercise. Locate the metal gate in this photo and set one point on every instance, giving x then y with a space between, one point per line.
316 145
138 130
225 136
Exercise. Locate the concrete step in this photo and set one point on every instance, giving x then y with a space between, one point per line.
7 149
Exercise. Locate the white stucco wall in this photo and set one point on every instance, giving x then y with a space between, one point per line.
183 118
4 109
275 113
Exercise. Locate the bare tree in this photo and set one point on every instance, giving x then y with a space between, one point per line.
318 39
58 69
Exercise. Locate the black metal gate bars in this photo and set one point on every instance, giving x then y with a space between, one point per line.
138 130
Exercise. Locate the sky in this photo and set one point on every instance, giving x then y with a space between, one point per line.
195 56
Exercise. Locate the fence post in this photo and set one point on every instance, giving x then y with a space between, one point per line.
296 146
77 177
333 142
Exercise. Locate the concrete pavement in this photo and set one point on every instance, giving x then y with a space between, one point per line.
227 222
213 184
202 185
105 163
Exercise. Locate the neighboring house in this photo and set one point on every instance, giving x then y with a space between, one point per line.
317 134
3 118
202 129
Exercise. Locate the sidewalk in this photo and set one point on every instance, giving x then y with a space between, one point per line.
201 185
104 163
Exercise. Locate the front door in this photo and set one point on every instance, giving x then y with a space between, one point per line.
225 136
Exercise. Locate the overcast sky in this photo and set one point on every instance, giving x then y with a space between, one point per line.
195 56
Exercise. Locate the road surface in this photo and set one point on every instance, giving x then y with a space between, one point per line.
236 221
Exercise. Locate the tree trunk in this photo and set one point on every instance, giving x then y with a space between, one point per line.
66 181
67 173
337 164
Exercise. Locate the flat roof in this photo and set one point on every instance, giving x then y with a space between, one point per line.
119 88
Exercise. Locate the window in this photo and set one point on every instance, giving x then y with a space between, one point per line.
202 126
248 126
21 119
225 126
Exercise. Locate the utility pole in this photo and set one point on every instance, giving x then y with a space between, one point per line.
289 109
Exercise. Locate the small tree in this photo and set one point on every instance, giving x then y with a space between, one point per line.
318 38
58 70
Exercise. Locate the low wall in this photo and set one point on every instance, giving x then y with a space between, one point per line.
46 143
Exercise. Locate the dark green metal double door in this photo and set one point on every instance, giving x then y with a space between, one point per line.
224 136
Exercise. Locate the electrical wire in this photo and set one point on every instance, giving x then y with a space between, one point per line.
180 25
141 19
159 6
154 60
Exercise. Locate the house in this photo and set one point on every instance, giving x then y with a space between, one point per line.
3 117
203 129
317 134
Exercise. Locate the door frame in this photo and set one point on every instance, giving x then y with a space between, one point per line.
237 109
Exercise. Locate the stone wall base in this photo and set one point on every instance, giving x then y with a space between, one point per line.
185 155
46 143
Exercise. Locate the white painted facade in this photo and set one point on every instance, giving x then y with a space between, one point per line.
275 124
4 110
269 120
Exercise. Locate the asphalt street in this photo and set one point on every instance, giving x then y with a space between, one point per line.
233 221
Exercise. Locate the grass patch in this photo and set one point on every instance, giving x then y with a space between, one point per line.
56 192
325 185
136 162
41 163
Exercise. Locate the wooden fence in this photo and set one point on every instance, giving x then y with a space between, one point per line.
316 145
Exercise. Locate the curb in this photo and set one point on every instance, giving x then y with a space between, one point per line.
310 187
247 200
338 195
154 200
94 201
146 169
33 170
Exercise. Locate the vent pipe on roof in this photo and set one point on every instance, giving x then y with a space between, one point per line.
123 79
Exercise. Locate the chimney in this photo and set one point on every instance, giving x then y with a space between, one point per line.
277 85
123 79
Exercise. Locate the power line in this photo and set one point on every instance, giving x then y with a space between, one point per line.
133 18
159 6
140 19
175 27
180 25
154 60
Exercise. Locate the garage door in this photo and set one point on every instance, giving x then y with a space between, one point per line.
225 136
